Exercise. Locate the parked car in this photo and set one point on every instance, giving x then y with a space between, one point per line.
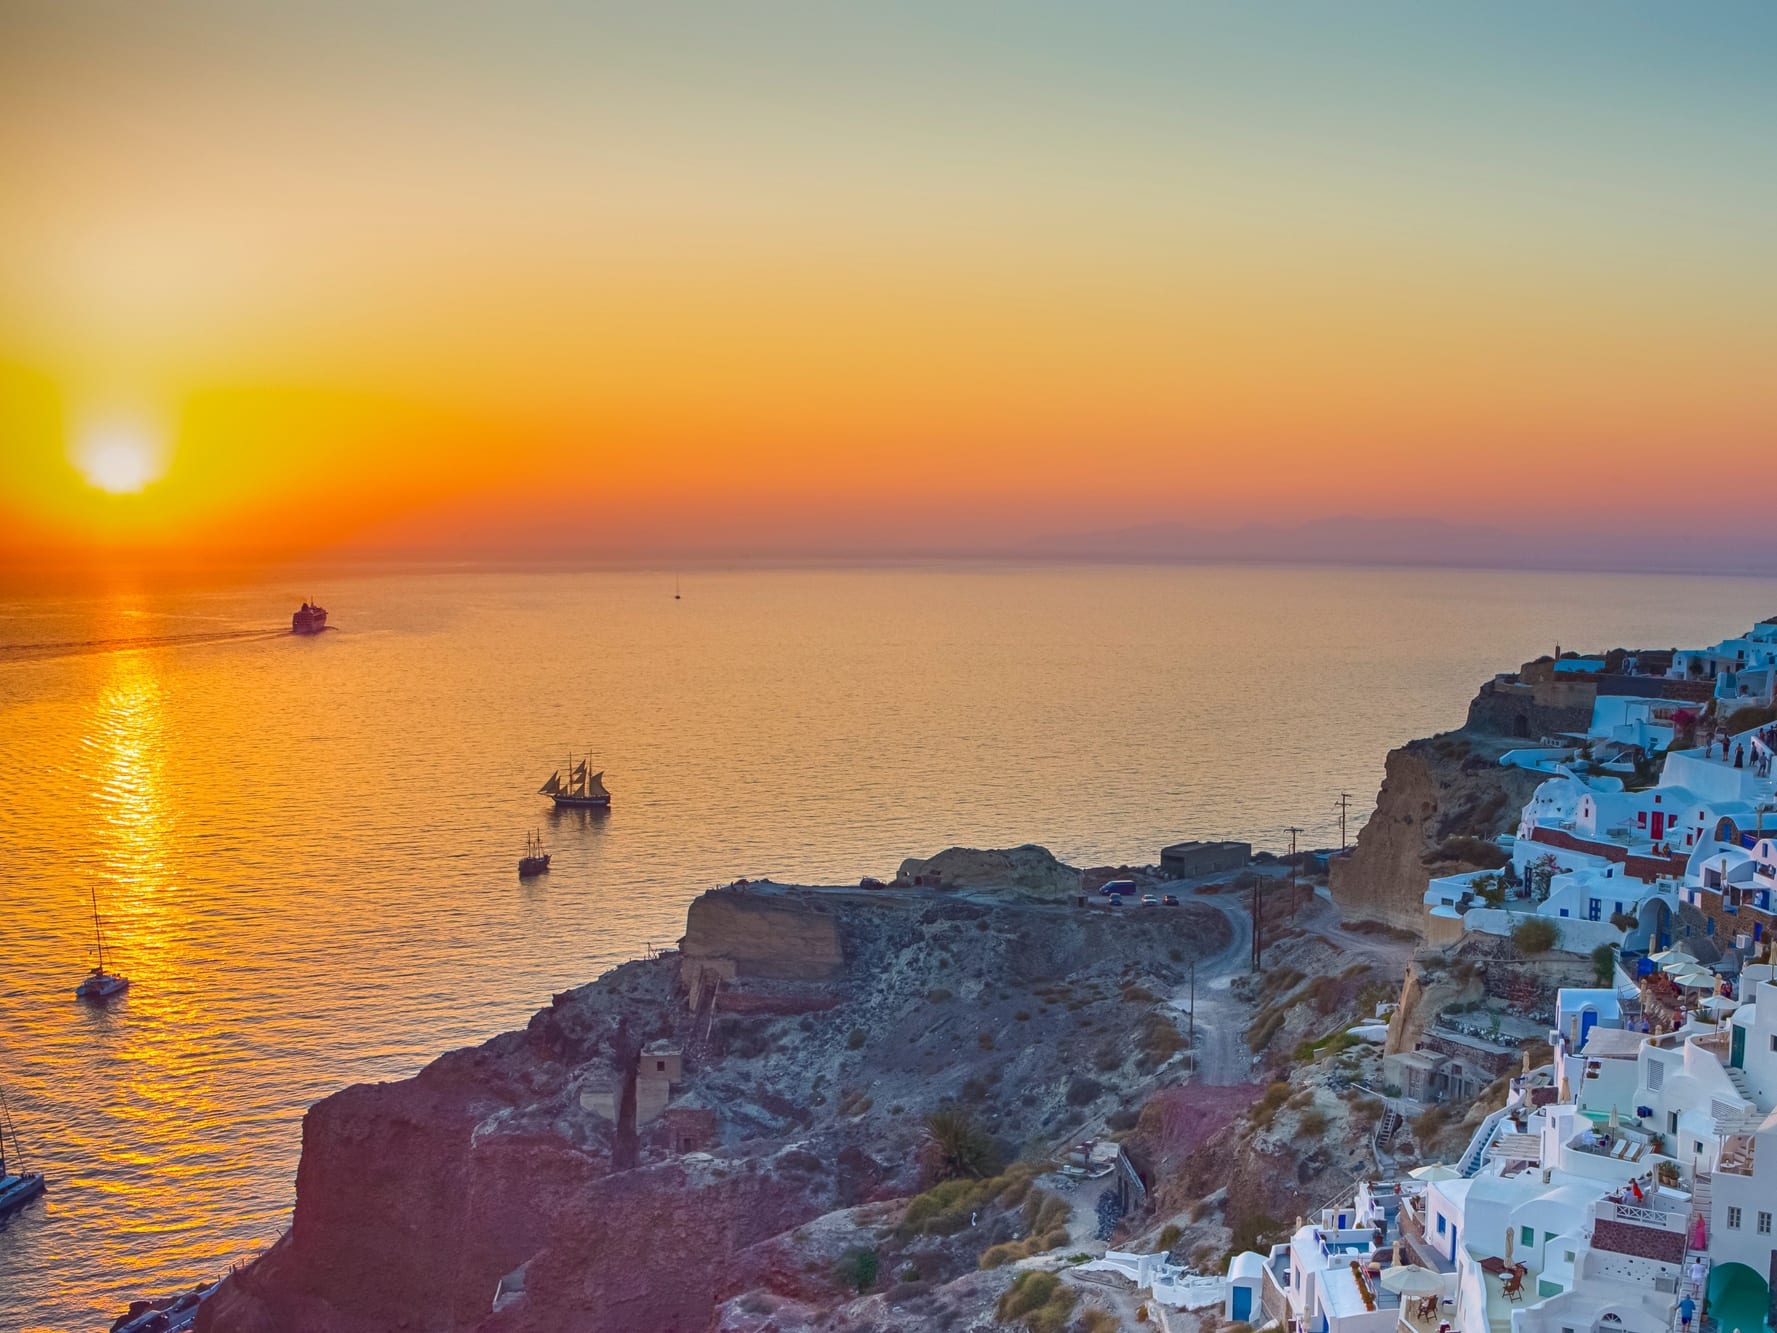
1115 900
1170 900
1116 886
1149 900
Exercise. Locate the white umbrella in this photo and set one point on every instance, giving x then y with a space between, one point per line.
1437 1171
1666 955
1412 1280
1696 981
1679 962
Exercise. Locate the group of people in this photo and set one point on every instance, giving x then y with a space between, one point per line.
1765 743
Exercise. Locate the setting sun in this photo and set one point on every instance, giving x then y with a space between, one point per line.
118 457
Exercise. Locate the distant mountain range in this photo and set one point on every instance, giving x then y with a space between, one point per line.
1684 548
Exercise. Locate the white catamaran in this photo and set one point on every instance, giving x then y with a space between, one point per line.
17 1185
579 788
100 985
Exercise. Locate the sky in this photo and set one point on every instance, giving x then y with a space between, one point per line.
622 281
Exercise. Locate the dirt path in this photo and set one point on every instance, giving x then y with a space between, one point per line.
1322 918
1222 1055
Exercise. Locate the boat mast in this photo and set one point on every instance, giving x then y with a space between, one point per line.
98 934
7 1127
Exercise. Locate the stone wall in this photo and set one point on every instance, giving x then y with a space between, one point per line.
1531 711
1642 1242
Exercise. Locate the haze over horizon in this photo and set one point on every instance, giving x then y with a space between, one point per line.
788 280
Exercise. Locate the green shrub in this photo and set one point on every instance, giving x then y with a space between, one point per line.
1604 963
955 1145
855 1039
1083 1091
1535 935
1169 1236
1040 1301
857 1269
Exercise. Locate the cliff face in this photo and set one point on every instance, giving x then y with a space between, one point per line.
843 1019
1435 793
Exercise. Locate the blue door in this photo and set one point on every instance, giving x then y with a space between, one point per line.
1243 1303
1588 1021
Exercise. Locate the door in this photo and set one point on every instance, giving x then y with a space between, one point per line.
1737 1050
1243 1304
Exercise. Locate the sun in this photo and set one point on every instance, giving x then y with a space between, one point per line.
119 457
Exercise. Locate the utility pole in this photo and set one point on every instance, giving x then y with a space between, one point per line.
1258 926
1193 1036
1292 830
1344 809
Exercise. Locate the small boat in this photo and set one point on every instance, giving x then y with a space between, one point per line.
535 860
17 1186
100 985
174 1314
579 789
310 619
675 587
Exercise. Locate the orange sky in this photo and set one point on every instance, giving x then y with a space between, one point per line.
622 284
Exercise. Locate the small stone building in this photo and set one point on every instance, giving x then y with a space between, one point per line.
659 1069
1187 860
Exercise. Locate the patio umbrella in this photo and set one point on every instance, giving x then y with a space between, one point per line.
1696 981
1411 1280
1436 1171
1666 955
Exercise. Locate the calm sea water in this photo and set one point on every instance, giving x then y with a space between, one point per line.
305 849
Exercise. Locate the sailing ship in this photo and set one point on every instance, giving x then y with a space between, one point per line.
17 1185
579 788
535 860
310 619
100 985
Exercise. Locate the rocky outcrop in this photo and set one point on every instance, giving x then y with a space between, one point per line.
1028 869
1435 794
414 1199
742 935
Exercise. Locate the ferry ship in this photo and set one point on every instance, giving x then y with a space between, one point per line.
311 619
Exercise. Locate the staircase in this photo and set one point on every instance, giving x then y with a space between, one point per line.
1474 1157
1702 1195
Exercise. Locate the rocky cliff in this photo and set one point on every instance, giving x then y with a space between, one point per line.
843 1019
1439 798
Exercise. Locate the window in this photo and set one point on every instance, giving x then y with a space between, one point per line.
1764 1224
1671 1118
1593 906
1710 926
1527 1236
1440 1224
1733 1219
1774 1043
660 1066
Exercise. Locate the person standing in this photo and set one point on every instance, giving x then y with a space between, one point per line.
1687 1308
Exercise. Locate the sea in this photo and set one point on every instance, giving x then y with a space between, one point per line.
303 850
